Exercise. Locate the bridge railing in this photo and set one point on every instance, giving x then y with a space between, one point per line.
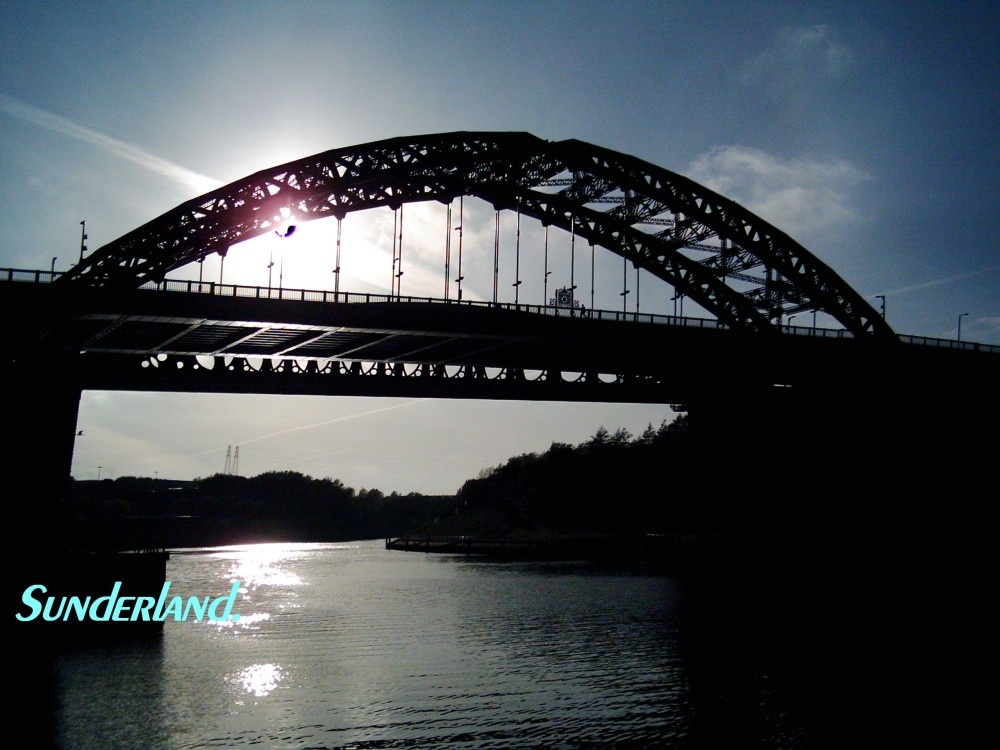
949 344
36 277
318 295
314 295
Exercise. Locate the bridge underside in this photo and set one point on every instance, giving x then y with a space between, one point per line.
188 342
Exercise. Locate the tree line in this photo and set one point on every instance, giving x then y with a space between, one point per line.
613 482
669 479
230 509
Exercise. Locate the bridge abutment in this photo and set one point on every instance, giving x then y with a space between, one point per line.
881 471
43 393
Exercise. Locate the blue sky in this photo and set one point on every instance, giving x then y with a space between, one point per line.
866 130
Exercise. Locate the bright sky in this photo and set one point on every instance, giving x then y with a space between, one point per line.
867 130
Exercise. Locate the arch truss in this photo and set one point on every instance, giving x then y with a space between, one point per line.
734 264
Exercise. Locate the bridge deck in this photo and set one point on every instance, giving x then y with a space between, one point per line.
203 337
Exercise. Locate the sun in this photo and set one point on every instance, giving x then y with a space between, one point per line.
304 254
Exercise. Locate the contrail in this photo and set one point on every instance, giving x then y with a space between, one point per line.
153 163
317 424
938 282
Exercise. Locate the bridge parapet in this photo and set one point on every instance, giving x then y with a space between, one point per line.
249 292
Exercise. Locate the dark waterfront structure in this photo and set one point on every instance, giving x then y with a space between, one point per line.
870 441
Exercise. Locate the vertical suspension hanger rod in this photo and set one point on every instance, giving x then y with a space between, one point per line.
461 222
591 277
637 291
447 253
545 277
496 256
572 266
336 268
399 273
624 292
392 277
517 257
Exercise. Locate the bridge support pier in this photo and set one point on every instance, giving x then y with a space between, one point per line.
38 458
886 563
886 472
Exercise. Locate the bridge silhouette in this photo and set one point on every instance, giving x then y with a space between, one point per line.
115 321
189 336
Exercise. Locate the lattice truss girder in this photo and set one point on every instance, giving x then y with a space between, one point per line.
731 262
222 365
700 222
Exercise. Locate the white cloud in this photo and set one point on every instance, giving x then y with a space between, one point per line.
993 322
800 57
802 197
146 160
988 327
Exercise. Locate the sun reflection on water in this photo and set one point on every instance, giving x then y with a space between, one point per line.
246 622
268 579
259 679
261 565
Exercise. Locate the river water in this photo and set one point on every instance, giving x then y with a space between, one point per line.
354 646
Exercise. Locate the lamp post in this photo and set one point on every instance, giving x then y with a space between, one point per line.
881 297
53 269
678 296
960 325
790 319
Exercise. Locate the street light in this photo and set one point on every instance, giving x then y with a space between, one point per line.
882 298
790 319
960 325
54 265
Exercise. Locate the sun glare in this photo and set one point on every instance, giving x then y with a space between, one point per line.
523 262
259 679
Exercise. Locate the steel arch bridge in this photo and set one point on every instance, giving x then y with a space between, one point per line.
734 264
